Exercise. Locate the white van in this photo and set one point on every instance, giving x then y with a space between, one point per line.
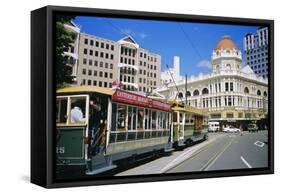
214 126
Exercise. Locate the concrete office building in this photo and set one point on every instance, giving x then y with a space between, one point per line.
97 61
256 51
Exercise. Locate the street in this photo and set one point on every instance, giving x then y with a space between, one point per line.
221 151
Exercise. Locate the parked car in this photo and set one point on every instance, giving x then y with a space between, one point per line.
231 129
214 126
252 128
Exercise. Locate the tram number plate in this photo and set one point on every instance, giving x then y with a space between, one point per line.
60 150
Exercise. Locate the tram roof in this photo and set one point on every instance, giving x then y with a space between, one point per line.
79 89
188 109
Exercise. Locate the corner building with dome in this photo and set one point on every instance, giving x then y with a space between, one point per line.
231 93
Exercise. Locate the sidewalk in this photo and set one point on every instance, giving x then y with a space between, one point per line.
163 164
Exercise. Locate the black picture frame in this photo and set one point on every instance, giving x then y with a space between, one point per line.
43 95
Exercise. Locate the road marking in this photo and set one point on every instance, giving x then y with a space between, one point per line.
210 162
259 144
245 162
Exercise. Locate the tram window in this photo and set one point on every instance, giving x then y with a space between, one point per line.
61 112
165 119
187 119
132 118
181 117
140 118
121 117
175 117
154 116
78 109
159 120
113 118
149 119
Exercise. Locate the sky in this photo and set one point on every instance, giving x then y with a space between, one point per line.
192 42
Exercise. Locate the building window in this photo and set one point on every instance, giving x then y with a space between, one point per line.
72 49
83 82
84 61
105 84
91 52
89 72
105 74
110 75
102 45
195 93
106 65
94 82
111 56
95 73
91 42
101 64
89 82
96 53
96 63
231 86
86 41
101 73
106 55
90 62
101 54
229 100
111 66
84 71
226 87
97 44
112 47
100 83
85 51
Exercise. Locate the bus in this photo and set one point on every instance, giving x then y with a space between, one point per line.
97 126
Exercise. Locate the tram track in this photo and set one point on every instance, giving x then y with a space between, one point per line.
210 161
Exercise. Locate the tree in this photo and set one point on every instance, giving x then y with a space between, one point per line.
64 38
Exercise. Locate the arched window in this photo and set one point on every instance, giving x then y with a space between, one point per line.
187 94
246 90
205 91
228 66
180 95
196 93
258 92
265 94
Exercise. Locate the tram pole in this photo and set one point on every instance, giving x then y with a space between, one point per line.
174 83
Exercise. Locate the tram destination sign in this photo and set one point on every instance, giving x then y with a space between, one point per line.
138 100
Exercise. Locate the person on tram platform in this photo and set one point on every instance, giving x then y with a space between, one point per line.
94 123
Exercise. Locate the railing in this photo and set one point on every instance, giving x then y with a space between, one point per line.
96 148
124 136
